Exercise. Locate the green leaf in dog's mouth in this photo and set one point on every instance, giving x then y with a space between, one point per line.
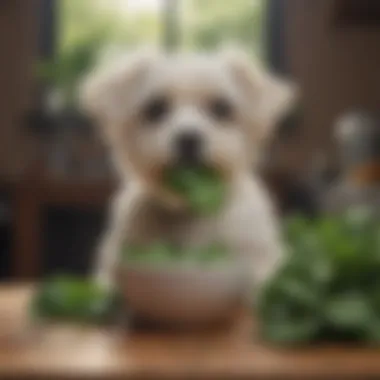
201 186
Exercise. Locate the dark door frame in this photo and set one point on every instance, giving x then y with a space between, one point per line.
275 36
47 28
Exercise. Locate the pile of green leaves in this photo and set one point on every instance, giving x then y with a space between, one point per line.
201 186
166 254
74 299
329 285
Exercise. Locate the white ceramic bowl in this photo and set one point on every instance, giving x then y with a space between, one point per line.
182 295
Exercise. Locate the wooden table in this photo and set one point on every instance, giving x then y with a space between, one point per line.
77 353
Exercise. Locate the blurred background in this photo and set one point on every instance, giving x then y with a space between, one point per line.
55 178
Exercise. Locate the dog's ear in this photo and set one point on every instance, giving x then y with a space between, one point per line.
267 97
106 93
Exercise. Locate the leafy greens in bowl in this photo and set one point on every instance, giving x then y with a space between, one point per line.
168 285
166 254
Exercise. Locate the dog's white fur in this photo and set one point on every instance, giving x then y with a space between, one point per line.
143 210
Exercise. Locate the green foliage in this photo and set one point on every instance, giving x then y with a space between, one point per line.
202 187
82 34
75 300
85 32
65 71
328 288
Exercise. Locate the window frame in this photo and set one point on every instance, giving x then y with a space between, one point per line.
47 34
275 36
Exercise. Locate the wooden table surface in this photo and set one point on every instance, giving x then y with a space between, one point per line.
60 352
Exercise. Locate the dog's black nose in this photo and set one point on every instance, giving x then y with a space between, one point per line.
188 147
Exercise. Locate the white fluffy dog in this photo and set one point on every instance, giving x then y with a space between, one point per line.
156 109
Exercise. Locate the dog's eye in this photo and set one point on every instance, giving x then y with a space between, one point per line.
155 110
221 109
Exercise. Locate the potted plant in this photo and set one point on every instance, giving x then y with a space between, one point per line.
60 77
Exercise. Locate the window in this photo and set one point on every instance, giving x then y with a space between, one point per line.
88 30
212 22
178 24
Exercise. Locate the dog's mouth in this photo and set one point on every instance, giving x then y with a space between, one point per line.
202 186
189 172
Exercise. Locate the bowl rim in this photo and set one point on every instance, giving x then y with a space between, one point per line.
177 268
